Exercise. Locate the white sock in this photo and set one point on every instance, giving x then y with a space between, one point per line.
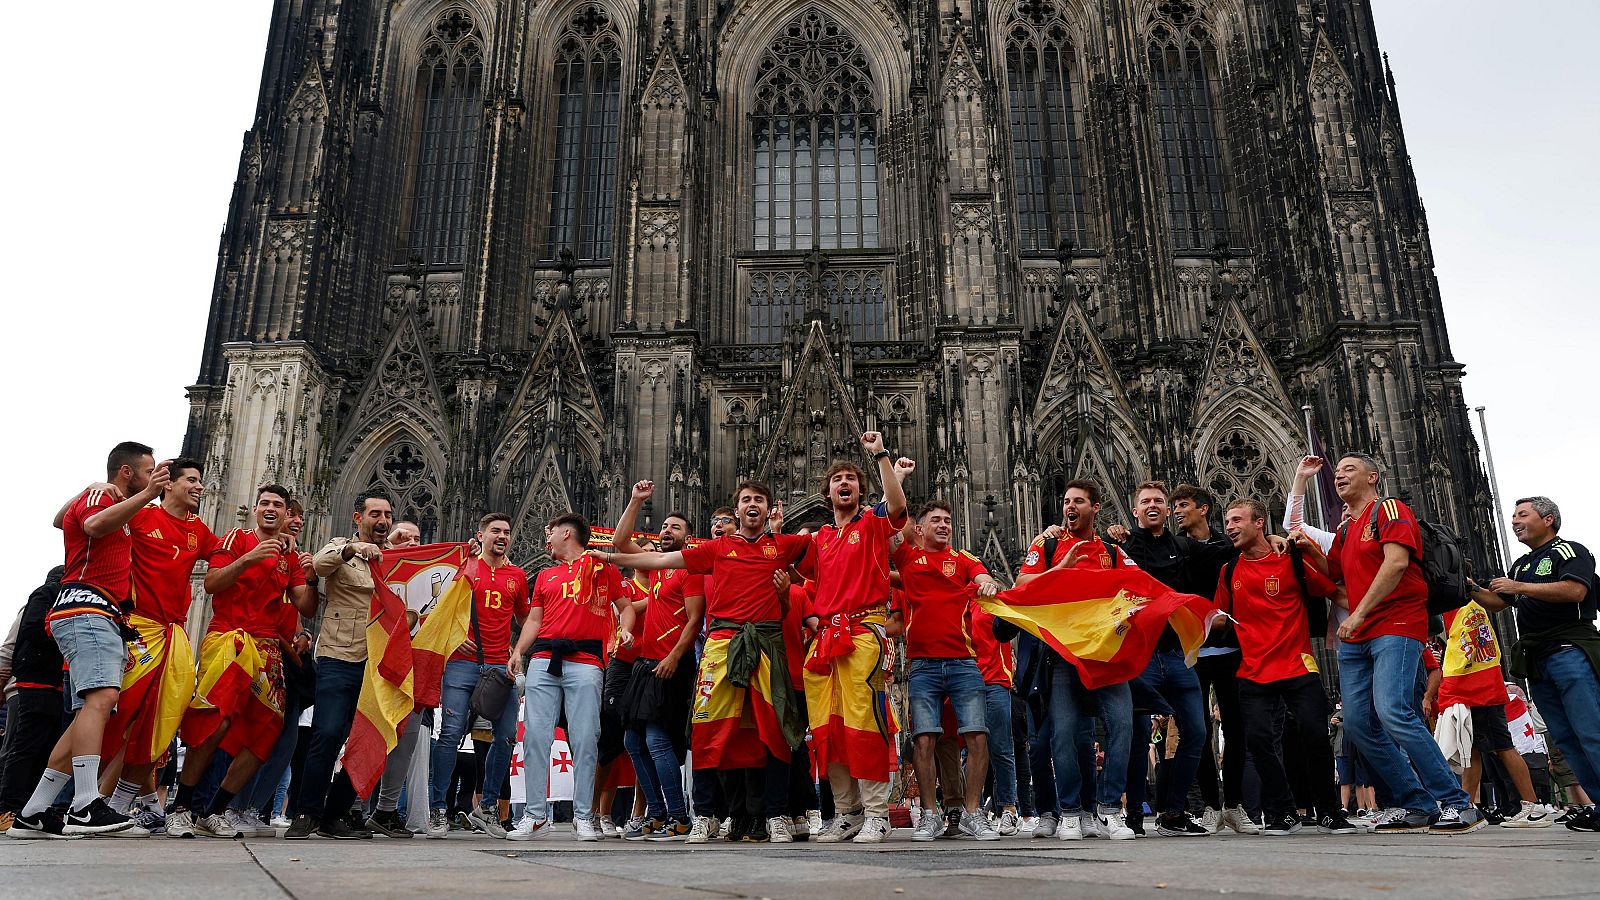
46 791
122 797
152 802
85 781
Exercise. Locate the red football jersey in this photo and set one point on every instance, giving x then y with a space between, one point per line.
1357 555
996 660
665 615
165 549
1100 556
852 563
742 590
1270 614
499 594
102 564
253 602
635 592
934 585
794 637
573 612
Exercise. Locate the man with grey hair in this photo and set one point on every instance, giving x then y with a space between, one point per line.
1558 649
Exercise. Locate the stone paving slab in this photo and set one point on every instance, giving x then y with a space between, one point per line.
1493 864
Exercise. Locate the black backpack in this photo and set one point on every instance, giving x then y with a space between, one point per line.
1443 563
1316 607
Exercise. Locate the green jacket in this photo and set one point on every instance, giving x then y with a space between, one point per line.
750 642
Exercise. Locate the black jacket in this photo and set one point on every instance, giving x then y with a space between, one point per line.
37 659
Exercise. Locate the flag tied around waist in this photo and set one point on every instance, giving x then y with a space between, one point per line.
1104 621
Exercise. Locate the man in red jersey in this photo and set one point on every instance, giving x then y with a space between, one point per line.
238 702
1375 557
568 625
655 706
86 622
851 730
744 715
499 603
934 578
168 538
1263 592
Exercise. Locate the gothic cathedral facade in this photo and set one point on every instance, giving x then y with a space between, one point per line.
515 254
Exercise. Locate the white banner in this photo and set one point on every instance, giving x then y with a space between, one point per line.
561 764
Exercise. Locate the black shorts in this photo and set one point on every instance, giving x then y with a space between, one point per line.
1490 731
616 684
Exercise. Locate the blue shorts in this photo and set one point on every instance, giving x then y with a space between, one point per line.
935 680
95 653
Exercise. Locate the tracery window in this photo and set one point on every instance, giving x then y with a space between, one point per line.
1241 468
1044 87
815 141
449 108
1183 77
583 185
411 485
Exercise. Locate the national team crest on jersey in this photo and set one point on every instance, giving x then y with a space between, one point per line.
1272 585
770 551
193 543
1105 560
1545 567
855 537
283 565
1370 533
949 568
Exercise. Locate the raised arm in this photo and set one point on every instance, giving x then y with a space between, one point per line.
623 539
119 514
894 494
648 561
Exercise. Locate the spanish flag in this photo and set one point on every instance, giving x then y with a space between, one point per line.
240 680
387 693
430 580
733 727
156 689
1104 621
1471 666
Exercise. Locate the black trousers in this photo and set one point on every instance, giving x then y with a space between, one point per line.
1221 674
33 725
1306 705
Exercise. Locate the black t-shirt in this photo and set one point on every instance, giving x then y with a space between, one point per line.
1164 557
1558 560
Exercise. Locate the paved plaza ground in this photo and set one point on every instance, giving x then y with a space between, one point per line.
1493 863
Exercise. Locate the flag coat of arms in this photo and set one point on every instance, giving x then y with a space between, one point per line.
429 580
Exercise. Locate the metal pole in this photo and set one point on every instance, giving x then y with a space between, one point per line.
1494 490
1312 495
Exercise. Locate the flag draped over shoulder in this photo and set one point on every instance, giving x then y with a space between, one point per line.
387 688
430 582
1104 621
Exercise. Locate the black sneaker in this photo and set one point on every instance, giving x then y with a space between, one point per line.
48 825
96 818
1336 824
340 830
1179 825
1136 824
1583 819
1412 822
1458 821
388 824
738 827
1288 823
301 828
756 833
952 822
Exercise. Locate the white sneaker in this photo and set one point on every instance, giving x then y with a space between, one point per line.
263 828
1070 829
1236 818
778 831
1116 827
814 823
1532 815
215 825
281 822
930 826
700 833
1092 827
608 828
1211 821
438 825
1388 815
724 827
586 830
1008 824
249 824
842 829
874 830
527 829
180 824
1043 826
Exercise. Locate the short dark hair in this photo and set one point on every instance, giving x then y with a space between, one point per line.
755 487
842 465
1367 460
688 525
1152 486
1091 489
491 518
723 511
127 453
278 489
1195 494
578 523
184 464
932 505
1257 509
364 496
295 509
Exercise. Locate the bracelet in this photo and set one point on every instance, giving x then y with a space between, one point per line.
881 454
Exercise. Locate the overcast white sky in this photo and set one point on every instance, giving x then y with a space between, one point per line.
123 144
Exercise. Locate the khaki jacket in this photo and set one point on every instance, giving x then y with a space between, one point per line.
347 602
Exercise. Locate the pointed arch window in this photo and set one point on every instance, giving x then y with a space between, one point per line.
448 111
1044 87
583 185
815 141
403 474
1184 79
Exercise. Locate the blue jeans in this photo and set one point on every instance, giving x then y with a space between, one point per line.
1002 754
1568 694
935 680
1169 676
338 689
1072 739
460 677
1378 681
262 792
578 690
660 771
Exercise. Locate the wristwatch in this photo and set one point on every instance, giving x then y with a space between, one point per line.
881 454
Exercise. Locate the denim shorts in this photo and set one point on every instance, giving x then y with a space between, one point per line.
935 680
94 650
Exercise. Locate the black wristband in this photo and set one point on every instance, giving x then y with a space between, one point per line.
881 454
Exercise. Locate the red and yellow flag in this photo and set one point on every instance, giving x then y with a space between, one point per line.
1104 621
387 693
156 689
1471 666
429 580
